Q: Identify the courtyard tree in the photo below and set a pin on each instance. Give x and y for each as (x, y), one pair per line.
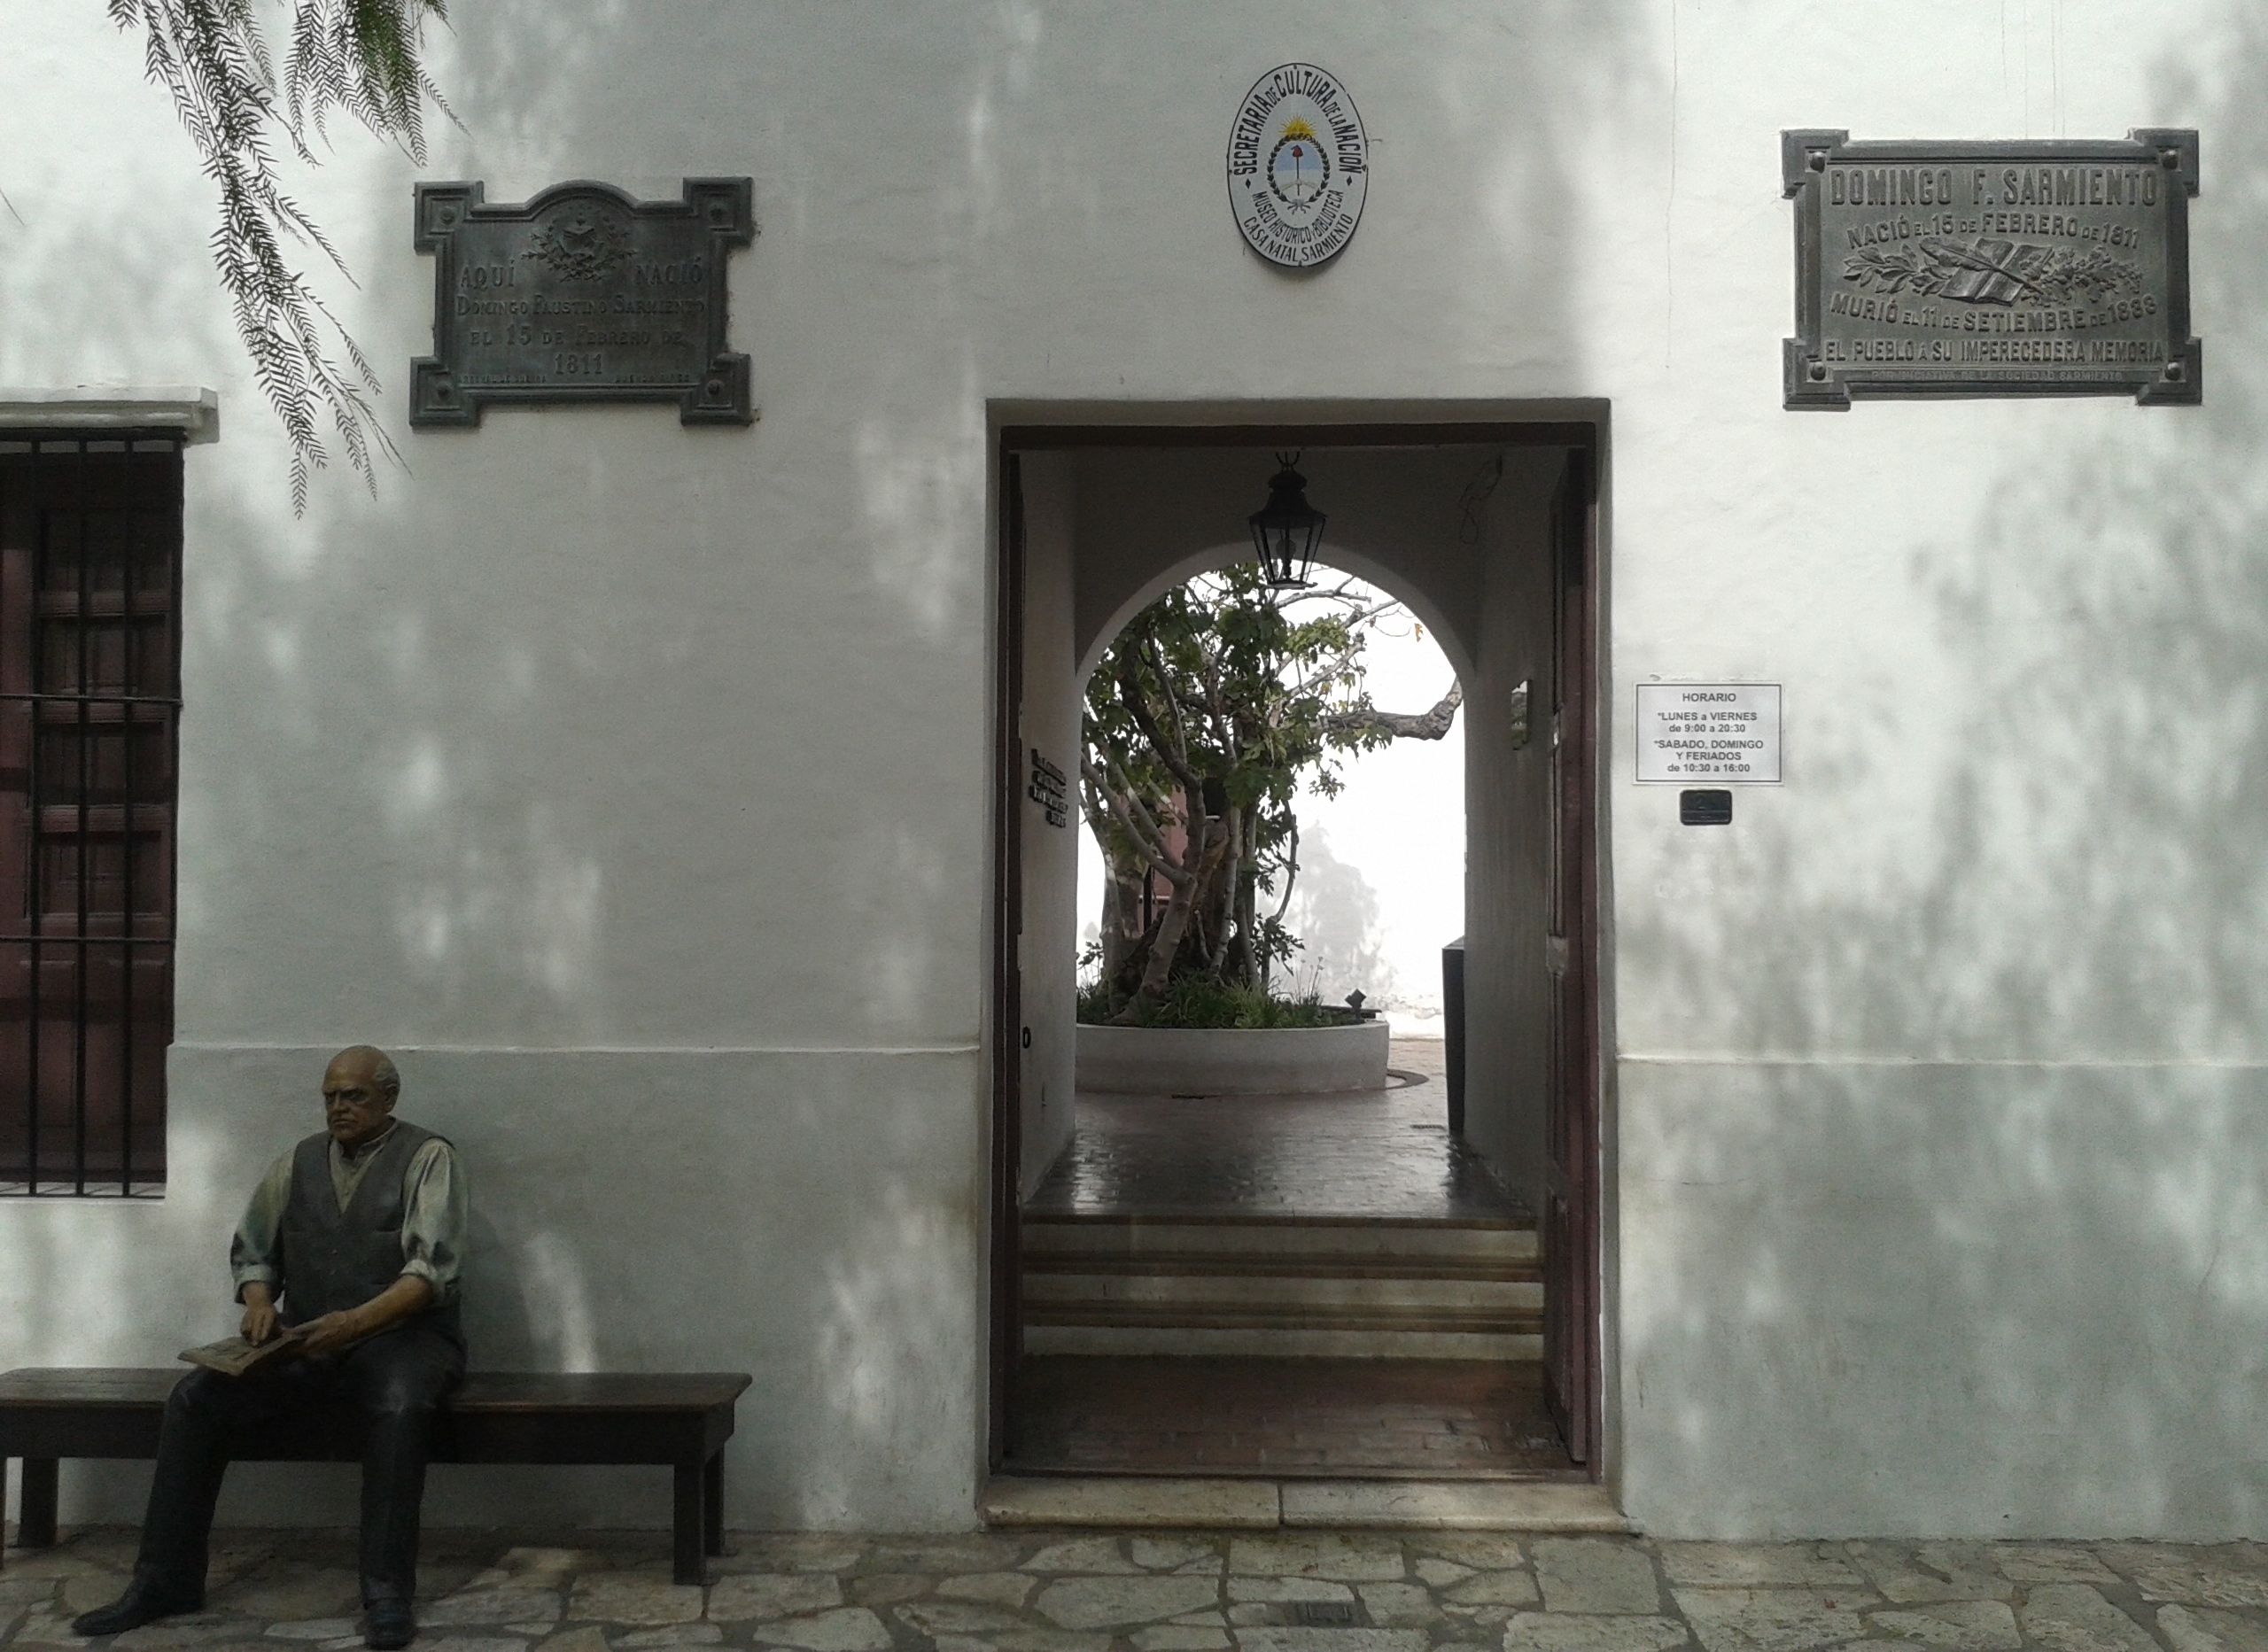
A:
(1212, 708)
(362, 58)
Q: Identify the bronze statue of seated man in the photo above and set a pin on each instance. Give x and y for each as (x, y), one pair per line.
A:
(351, 1249)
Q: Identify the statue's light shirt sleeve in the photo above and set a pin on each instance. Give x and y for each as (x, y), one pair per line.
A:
(436, 1210)
(253, 1257)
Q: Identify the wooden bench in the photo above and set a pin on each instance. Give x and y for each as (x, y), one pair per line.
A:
(680, 1419)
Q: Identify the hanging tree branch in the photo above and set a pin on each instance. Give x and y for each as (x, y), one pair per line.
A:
(1111, 793)
(1433, 725)
(1174, 754)
(359, 56)
(1291, 873)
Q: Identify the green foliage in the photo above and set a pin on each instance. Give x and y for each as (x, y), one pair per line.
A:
(1251, 685)
(1213, 708)
(359, 56)
(1206, 1001)
(362, 56)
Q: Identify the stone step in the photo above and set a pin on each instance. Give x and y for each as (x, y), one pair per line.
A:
(1343, 1288)
(1275, 1266)
(1298, 1341)
(1351, 1239)
(1258, 1312)
(1213, 1290)
(1318, 1504)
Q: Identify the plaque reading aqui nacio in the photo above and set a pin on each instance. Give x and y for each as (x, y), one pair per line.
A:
(582, 294)
(1991, 269)
(1726, 734)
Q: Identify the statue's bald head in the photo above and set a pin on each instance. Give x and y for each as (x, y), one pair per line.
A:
(374, 1065)
(359, 1090)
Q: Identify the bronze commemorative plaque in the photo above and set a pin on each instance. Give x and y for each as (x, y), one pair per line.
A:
(582, 294)
(1991, 269)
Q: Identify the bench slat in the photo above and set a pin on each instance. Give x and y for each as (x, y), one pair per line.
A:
(483, 1391)
(610, 1390)
(679, 1418)
(89, 1385)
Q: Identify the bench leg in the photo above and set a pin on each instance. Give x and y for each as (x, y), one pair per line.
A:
(36, 1529)
(714, 1505)
(685, 1523)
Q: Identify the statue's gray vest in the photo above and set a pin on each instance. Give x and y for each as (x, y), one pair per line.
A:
(335, 1259)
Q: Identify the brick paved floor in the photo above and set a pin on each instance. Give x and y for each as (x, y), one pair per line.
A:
(1158, 1592)
(1378, 1154)
(1434, 1419)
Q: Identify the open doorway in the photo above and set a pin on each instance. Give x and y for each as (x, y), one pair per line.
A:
(1298, 1284)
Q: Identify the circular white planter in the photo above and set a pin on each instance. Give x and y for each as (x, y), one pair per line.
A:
(1206, 1061)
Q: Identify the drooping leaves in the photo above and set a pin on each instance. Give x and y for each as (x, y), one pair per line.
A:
(362, 56)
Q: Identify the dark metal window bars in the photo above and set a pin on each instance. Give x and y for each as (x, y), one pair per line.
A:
(90, 561)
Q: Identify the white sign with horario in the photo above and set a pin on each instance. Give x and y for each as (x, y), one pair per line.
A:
(1709, 734)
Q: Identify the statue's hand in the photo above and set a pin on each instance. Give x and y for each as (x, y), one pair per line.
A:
(259, 1316)
(330, 1332)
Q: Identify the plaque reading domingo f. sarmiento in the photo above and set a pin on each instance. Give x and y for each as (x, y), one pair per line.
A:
(582, 294)
(1991, 269)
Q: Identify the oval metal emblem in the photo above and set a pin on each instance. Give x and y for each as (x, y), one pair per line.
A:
(1299, 166)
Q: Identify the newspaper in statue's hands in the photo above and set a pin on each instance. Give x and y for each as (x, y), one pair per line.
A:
(233, 1356)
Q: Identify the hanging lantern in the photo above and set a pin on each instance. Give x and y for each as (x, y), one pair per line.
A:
(1287, 530)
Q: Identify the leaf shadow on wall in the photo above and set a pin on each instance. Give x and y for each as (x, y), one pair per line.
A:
(1941, 1208)
(437, 774)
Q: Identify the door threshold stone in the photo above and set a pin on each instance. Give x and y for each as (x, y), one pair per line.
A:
(1127, 1500)
(1252, 1504)
(1452, 1505)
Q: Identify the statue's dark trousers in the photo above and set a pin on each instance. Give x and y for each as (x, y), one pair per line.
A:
(392, 1385)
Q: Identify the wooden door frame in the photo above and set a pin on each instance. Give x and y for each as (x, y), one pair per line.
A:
(1031, 427)
(1004, 1039)
(1571, 1217)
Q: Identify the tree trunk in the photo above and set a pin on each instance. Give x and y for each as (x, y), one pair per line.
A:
(1173, 923)
(1220, 895)
(1248, 961)
(1121, 932)
(1433, 725)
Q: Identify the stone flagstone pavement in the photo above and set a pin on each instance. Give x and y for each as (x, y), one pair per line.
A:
(1155, 1592)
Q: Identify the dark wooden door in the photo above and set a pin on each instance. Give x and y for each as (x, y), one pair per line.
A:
(1007, 988)
(1571, 1213)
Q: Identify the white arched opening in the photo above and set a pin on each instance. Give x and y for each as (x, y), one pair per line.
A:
(1381, 885)
(1366, 568)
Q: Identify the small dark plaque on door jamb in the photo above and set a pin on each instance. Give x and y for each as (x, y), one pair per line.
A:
(582, 294)
(2049, 269)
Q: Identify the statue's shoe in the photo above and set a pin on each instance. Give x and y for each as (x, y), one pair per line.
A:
(390, 1624)
(142, 1604)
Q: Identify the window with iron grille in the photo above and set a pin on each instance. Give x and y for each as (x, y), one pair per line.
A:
(90, 540)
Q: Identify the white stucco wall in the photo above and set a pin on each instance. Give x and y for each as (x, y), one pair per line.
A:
(630, 780)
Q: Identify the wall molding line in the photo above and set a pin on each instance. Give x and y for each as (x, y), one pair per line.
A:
(2108, 1063)
(94, 409)
(203, 1046)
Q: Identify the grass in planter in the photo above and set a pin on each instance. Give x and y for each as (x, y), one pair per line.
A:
(1201, 1001)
